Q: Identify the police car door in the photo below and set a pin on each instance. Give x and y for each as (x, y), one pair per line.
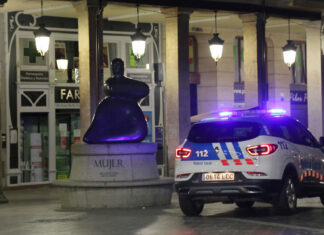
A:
(317, 173)
(309, 151)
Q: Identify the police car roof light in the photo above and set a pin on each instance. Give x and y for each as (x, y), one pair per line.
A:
(225, 114)
(276, 111)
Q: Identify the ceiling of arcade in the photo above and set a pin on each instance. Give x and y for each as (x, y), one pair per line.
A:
(200, 19)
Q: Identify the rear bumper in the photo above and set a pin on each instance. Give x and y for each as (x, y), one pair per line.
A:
(261, 190)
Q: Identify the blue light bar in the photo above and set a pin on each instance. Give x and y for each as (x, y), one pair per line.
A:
(277, 111)
(209, 119)
(225, 114)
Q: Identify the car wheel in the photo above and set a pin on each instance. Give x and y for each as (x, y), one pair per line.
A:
(287, 198)
(190, 207)
(322, 199)
(245, 205)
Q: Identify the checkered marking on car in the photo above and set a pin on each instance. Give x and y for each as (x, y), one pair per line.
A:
(311, 173)
(226, 156)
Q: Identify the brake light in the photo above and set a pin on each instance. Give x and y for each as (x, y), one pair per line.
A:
(182, 153)
(180, 176)
(256, 173)
(262, 149)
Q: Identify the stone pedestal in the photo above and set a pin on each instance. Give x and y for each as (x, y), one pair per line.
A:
(114, 176)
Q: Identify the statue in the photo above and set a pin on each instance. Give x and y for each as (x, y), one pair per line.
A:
(118, 118)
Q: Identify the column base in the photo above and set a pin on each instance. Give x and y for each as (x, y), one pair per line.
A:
(3, 199)
(114, 176)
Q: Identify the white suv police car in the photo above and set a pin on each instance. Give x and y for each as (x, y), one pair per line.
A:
(243, 157)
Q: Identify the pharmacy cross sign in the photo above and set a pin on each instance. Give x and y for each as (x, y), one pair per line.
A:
(31, 52)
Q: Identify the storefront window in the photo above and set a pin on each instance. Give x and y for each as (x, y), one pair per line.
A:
(238, 54)
(110, 52)
(68, 50)
(67, 133)
(34, 151)
(298, 69)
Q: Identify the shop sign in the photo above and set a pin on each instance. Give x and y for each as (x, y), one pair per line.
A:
(298, 97)
(34, 76)
(239, 93)
(67, 95)
(143, 77)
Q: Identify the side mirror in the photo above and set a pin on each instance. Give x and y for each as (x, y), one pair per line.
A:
(321, 140)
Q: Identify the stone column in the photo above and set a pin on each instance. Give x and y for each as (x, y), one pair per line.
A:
(3, 199)
(314, 78)
(177, 93)
(90, 58)
(255, 80)
(278, 73)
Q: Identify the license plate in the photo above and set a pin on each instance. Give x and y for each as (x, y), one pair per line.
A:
(224, 176)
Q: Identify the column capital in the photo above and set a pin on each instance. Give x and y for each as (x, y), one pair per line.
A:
(252, 17)
(248, 18)
(175, 11)
(312, 24)
(80, 7)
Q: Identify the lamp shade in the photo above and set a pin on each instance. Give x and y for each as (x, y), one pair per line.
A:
(216, 47)
(42, 39)
(62, 64)
(289, 53)
(138, 43)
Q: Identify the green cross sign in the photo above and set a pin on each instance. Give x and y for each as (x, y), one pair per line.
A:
(31, 52)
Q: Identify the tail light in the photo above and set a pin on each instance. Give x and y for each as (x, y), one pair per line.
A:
(262, 149)
(183, 175)
(183, 153)
(256, 173)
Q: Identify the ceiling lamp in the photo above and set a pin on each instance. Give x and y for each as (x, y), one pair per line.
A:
(62, 64)
(289, 50)
(138, 41)
(42, 36)
(216, 44)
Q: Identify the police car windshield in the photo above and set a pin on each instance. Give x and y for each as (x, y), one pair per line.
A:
(223, 131)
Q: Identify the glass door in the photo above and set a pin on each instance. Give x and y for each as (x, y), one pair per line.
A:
(67, 133)
(34, 154)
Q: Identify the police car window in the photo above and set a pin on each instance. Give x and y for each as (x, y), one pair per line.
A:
(279, 128)
(301, 135)
(224, 131)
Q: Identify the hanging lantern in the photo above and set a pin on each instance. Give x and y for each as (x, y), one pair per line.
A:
(42, 40)
(216, 44)
(42, 36)
(289, 53)
(62, 64)
(216, 47)
(138, 43)
(289, 50)
(138, 40)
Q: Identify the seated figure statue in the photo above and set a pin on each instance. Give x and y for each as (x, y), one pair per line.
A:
(118, 118)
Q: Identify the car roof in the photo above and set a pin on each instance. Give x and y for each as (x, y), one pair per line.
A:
(263, 119)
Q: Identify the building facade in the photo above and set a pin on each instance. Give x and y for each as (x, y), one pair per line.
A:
(40, 103)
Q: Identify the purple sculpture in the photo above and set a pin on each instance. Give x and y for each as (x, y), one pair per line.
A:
(118, 118)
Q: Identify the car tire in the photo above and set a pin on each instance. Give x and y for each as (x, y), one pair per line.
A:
(322, 199)
(245, 204)
(286, 202)
(190, 207)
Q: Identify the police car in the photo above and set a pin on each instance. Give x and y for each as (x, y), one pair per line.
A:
(248, 156)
